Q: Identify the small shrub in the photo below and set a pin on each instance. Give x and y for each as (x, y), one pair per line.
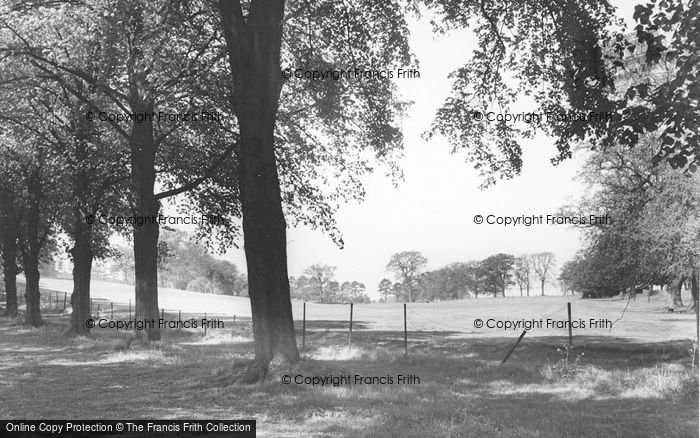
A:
(565, 368)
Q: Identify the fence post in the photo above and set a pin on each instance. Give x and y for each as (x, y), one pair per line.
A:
(303, 330)
(162, 313)
(90, 306)
(233, 327)
(179, 319)
(205, 325)
(350, 334)
(129, 308)
(111, 310)
(65, 298)
(568, 307)
(513, 349)
(405, 332)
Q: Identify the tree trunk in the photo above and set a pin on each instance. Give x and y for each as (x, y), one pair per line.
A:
(9, 268)
(676, 289)
(82, 269)
(32, 296)
(254, 55)
(542, 282)
(146, 208)
(694, 287)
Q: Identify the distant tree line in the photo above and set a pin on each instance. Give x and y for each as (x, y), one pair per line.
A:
(318, 284)
(490, 276)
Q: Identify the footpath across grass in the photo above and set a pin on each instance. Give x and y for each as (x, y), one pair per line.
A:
(451, 387)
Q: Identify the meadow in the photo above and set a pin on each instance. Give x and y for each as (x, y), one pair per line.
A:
(635, 379)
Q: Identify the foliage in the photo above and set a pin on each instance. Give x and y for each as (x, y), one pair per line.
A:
(667, 109)
(497, 273)
(654, 237)
(522, 271)
(183, 264)
(385, 288)
(543, 265)
(319, 285)
(537, 44)
(407, 267)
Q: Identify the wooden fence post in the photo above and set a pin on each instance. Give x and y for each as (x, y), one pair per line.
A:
(303, 330)
(405, 332)
(568, 307)
(350, 334)
(513, 349)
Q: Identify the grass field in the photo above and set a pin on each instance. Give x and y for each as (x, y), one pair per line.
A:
(634, 380)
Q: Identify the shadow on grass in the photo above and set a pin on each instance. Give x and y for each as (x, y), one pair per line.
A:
(617, 388)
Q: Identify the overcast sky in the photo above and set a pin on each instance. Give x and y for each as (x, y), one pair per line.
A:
(432, 210)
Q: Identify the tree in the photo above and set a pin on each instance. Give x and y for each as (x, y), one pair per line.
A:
(124, 260)
(407, 267)
(352, 292)
(8, 248)
(385, 289)
(398, 291)
(543, 264)
(33, 176)
(657, 242)
(322, 276)
(522, 270)
(84, 52)
(272, 130)
(567, 276)
(451, 282)
(497, 273)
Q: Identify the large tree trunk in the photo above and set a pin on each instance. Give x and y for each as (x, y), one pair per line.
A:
(146, 209)
(32, 295)
(254, 55)
(9, 268)
(82, 269)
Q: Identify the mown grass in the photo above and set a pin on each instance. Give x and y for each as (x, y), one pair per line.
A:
(603, 387)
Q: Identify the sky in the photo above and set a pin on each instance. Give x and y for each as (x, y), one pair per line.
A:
(432, 210)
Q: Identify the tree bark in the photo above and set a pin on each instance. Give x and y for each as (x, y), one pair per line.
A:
(676, 289)
(82, 270)
(9, 267)
(32, 295)
(31, 250)
(254, 55)
(694, 287)
(146, 209)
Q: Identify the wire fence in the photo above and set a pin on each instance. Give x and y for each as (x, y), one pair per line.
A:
(404, 325)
